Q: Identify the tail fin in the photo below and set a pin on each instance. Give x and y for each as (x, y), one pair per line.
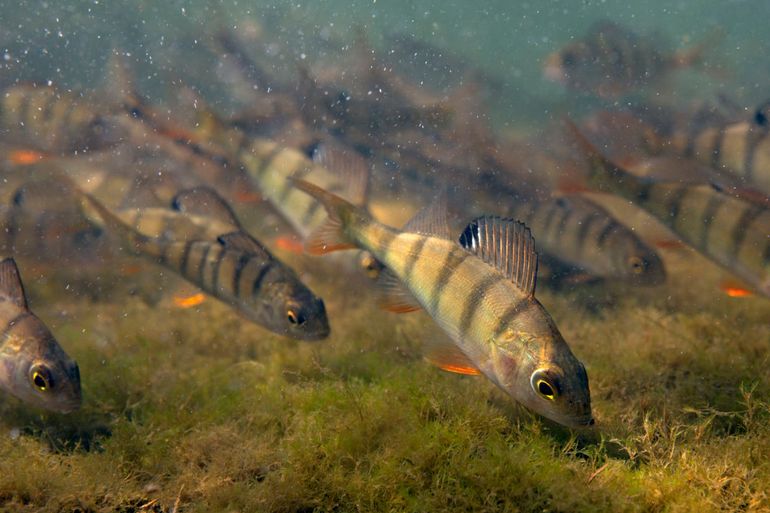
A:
(331, 235)
(101, 216)
(602, 173)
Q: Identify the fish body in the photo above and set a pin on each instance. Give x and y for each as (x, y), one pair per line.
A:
(584, 236)
(55, 121)
(739, 148)
(611, 60)
(730, 231)
(33, 366)
(497, 326)
(236, 269)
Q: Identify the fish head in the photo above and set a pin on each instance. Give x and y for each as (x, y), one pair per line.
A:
(561, 65)
(639, 264)
(548, 379)
(294, 311)
(35, 368)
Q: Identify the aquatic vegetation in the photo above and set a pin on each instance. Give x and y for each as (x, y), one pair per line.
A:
(201, 410)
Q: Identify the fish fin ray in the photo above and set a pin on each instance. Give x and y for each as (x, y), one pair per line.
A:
(393, 296)
(349, 166)
(431, 220)
(10, 283)
(447, 356)
(242, 241)
(330, 235)
(505, 244)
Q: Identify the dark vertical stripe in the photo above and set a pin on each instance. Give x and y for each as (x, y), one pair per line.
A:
(740, 229)
(643, 190)
(563, 222)
(185, 257)
(257, 283)
(451, 262)
(242, 261)
(716, 148)
(201, 271)
(753, 141)
(675, 200)
(584, 230)
(414, 254)
(707, 218)
(766, 255)
(554, 208)
(605, 233)
(474, 300)
(510, 314)
(310, 212)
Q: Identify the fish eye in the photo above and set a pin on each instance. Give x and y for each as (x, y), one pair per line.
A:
(636, 265)
(543, 385)
(568, 58)
(40, 378)
(294, 317)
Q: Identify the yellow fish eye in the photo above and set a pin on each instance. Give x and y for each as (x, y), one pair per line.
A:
(636, 264)
(294, 317)
(41, 379)
(543, 385)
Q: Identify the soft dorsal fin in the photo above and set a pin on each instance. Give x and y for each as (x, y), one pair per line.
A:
(349, 166)
(206, 202)
(431, 220)
(10, 283)
(242, 241)
(444, 354)
(505, 244)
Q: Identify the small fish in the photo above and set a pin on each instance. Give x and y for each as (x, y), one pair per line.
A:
(584, 236)
(55, 121)
(480, 292)
(236, 269)
(611, 60)
(33, 366)
(739, 148)
(730, 231)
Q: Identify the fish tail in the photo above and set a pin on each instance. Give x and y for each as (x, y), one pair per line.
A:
(101, 216)
(333, 235)
(603, 175)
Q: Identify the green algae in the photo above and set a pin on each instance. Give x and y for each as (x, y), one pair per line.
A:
(197, 410)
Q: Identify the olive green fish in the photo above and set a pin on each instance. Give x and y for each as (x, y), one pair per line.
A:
(235, 269)
(480, 293)
(584, 236)
(739, 148)
(730, 231)
(52, 120)
(33, 366)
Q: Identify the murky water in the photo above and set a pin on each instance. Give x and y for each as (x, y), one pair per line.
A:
(153, 222)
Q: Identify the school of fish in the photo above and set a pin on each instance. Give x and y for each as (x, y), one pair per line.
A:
(314, 162)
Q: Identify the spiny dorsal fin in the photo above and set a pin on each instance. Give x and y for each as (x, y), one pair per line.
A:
(205, 202)
(349, 166)
(505, 244)
(10, 283)
(431, 220)
(444, 354)
(242, 241)
(394, 297)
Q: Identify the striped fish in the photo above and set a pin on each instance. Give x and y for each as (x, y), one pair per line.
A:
(33, 366)
(480, 293)
(583, 236)
(730, 231)
(611, 60)
(235, 269)
(739, 148)
(51, 120)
